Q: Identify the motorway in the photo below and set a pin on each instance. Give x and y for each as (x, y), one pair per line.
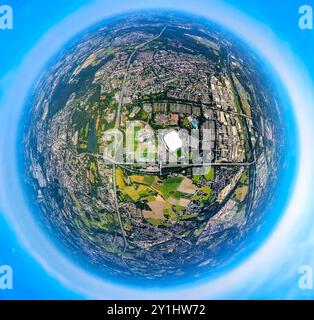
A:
(117, 125)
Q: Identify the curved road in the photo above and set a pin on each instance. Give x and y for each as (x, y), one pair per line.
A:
(117, 125)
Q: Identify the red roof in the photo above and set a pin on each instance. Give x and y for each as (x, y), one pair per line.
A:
(174, 117)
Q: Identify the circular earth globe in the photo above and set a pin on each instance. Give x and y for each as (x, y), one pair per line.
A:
(151, 147)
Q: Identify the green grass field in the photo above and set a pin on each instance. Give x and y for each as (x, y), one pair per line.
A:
(169, 186)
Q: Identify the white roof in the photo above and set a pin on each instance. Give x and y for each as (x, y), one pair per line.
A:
(173, 141)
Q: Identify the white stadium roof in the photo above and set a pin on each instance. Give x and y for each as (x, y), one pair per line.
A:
(173, 141)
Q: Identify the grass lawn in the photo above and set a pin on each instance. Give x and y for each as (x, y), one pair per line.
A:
(241, 193)
(169, 186)
(210, 175)
(131, 192)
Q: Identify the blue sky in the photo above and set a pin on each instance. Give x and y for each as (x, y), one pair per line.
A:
(35, 26)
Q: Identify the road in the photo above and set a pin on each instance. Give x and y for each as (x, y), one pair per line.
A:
(117, 125)
(252, 174)
(142, 45)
